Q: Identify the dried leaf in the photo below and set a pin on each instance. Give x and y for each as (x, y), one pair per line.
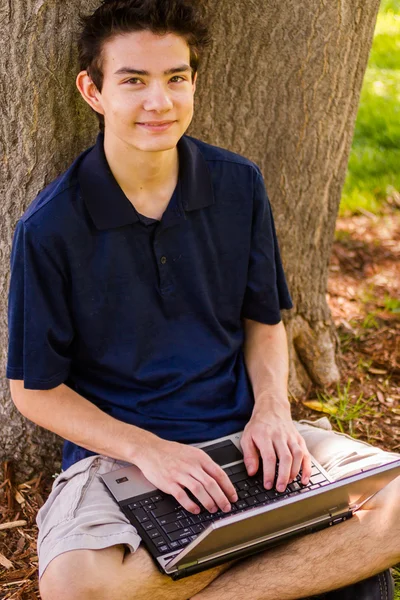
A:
(380, 396)
(39, 500)
(20, 545)
(5, 562)
(321, 406)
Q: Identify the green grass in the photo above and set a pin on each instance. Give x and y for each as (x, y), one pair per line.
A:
(370, 322)
(373, 175)
(392, 304)
(346, 410)
(396, 575)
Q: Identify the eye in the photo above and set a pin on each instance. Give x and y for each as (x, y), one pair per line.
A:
(133, 80)
(176, 77)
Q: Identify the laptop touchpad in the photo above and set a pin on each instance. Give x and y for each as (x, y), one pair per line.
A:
(223, 453)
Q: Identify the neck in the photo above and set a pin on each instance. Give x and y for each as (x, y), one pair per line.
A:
(139, 173)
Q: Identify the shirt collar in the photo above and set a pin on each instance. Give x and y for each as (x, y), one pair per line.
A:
(110, 208)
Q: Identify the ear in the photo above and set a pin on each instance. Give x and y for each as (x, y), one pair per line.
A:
(89, 91)
(194, 82)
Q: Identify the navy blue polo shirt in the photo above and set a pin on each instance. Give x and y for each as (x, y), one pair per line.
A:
(144, 317)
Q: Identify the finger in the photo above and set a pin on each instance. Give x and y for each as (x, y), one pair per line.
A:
(297, 456)
(199, 492)
(181, 496)
(222, 479)
(285, 465)
(306, 468)
(269, 464)
(214, 491)
(250, 454)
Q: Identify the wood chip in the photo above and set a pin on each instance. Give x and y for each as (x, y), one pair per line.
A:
(367, 213)
(5, 562)
(19, 498)
(12, 524)
(377, 371)
(23, 486)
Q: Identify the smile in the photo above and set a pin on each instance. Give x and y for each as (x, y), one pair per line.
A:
(156, 126)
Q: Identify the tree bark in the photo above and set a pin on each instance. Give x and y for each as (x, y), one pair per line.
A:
(279, 84)
(44, 125)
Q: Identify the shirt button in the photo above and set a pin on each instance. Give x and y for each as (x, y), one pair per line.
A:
(163, 260)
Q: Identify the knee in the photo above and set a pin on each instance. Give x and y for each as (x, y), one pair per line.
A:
(391, 494)
(68, 587)
(71, 589)
(383, 512)
(386, 500)
(69, 577)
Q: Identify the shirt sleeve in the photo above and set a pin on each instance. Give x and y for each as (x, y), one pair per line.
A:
(267, 291)
(39, 321)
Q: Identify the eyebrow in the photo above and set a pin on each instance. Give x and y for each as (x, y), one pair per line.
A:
(131, 71)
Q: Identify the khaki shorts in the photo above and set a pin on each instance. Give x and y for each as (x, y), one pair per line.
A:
(80, 512)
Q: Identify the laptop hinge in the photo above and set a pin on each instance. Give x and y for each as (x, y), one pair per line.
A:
(336, 512)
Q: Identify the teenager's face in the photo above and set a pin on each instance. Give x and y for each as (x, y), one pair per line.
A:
(147, 93)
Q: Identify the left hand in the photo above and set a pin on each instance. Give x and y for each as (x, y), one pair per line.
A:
(272, 435)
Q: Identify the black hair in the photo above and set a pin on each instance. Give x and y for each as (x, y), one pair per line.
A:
(186, 18)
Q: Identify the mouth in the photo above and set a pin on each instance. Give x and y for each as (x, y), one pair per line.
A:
(156, 125)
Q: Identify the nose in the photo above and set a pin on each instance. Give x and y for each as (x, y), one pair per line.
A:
(157, 98)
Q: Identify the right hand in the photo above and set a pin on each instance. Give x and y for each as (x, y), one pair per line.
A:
(171, 467)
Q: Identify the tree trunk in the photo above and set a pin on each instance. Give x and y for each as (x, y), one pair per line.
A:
(280, 84)
(44, 125)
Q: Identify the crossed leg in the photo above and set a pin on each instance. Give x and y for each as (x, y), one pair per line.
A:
(105, 575)
(329, 559)
(357, 549)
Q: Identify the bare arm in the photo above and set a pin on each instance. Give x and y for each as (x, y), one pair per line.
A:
(74, 418)
(271, 433)
(267, 363)
(168, 465)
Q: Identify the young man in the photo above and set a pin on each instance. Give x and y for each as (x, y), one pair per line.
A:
(144, 315)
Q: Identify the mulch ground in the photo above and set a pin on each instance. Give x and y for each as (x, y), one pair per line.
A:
(364, 295)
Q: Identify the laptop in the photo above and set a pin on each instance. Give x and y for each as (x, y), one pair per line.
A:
(182, 543)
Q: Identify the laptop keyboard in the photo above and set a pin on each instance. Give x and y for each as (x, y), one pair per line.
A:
(169, 526)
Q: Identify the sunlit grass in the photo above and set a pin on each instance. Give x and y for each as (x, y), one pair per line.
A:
(373, 172)
(373, 176)
(396, 575)
(344, 408)
(392, 304)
